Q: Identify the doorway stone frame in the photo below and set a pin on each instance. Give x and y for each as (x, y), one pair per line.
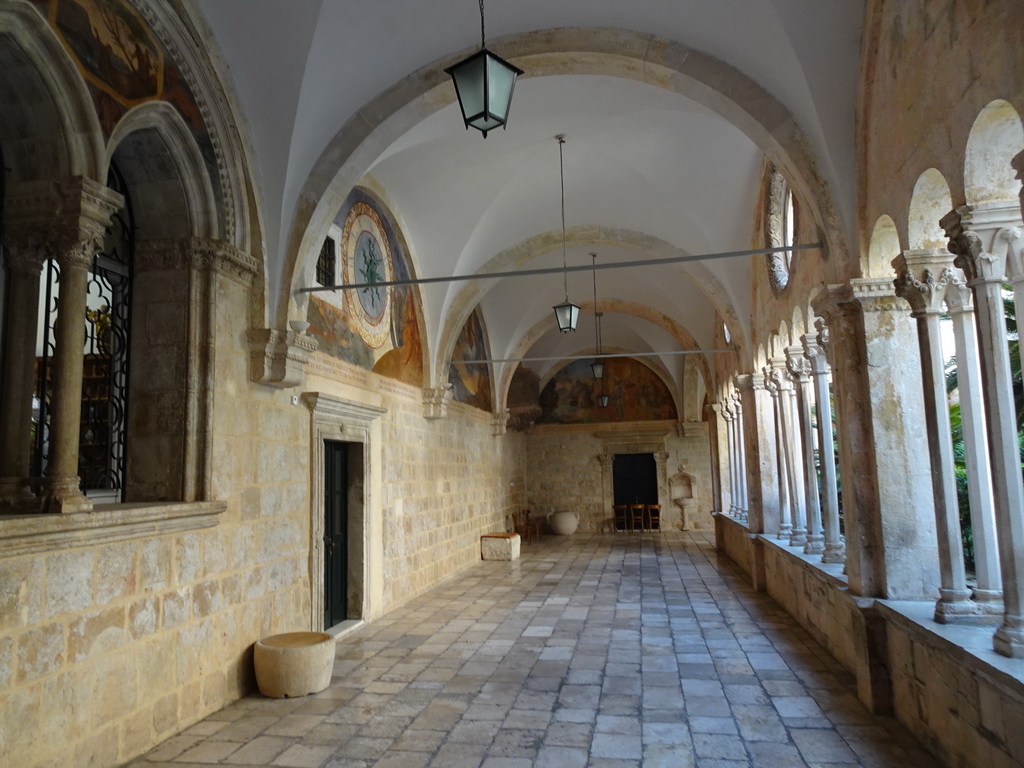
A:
(334, 418)
(636, 438)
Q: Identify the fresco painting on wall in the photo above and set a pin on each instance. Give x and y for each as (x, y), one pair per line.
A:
(375, 329)
(635, 393)
(471, 384)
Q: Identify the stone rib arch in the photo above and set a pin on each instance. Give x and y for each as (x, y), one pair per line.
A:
(996, 136)
(620, 53)
(69, 141)
(883, 247)
(472, 293)
(503, 381)
(929, 202)
(163, 164)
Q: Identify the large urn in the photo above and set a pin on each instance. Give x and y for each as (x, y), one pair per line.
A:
(563, 522)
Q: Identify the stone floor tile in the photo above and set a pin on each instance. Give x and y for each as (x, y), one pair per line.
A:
(598, 650)
(303, 756)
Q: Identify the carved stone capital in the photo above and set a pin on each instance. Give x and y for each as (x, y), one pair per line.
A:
(278, 358)
(26, 247)
(83, 212)
(923, 277)
(435, 401)
(605, 460)
(797, 364)
(987, 241)
(778, 371)
(661, 459)
(814, 351)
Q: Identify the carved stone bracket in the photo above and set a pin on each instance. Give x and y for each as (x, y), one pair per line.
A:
(435, 402)
(923, 277)
(278, 358)
(499, 423)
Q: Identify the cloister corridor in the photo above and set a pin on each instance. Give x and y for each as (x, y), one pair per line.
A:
(604, 650)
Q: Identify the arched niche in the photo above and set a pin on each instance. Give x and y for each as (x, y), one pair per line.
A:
(883, 247)
(930, 201)
(996, 137)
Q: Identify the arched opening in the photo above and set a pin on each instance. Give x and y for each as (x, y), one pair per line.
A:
(996, 137)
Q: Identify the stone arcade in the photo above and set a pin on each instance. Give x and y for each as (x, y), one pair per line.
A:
(203, 442)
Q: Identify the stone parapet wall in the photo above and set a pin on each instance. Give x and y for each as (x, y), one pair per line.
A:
(945, 683)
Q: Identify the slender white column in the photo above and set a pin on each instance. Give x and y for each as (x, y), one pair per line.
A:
(800, 370)
(794, 469)
(989, 587)
(731, 443)
(742, 457)
(719, 456)
(980, 238)
(814, 348)
(922, 278)
(782, 453)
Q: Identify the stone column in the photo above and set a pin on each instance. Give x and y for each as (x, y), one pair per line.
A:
(891, 550)
(989, 590)
(762, 481)
(730, 443)
(25, 251)
(981, 237)
(79, 228)
(791, 442)
(785, 529)
(741, 458)
(814, 349)
(922, 278)
(719, 456)
(800, 370)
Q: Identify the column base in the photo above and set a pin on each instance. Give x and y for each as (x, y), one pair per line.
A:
(784, 531)
(988, 597)
(957, 608)
(62, 495)
(1009, 638)
(15, 492)
(835, 553)
(798, 538)
(815, 545)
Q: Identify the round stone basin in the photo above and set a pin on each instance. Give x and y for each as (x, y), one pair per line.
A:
(294, 663)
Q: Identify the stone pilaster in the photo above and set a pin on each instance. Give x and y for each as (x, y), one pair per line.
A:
(800, 371)
(84, 210)
(25, 251)
(982, 238)
(730, 447)
(719, 458)
(922, 279)
(814, 349)
(890, 539)
(989, 588)
(499, 423)
(785, 526)
(791, 440)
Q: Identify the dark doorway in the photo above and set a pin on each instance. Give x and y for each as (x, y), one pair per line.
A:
(336, 494)
(635, 478)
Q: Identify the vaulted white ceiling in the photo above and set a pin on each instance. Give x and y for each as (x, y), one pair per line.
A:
(648, 172)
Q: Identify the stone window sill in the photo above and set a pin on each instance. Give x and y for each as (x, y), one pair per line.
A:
(107, 523)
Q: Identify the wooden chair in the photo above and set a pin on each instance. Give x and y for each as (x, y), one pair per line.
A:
(521, 524)
(620, 514)
(654, 517)
(636, 517)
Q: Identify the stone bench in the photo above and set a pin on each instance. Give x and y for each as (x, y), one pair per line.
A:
(499, 546)
(294, 663)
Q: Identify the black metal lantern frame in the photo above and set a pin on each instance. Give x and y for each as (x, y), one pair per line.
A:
(484, 83)
(566, 313)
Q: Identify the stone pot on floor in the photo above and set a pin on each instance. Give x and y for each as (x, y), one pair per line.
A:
(294, 663)
(563, 523)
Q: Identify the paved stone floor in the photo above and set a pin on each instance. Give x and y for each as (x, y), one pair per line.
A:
(612, 650)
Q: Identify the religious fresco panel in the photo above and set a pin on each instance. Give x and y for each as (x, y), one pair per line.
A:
(635, 393)
(471, 384)
(374, 327)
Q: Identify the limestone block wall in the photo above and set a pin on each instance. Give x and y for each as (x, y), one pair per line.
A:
(564, 471)
(445, 482)
(121, 627)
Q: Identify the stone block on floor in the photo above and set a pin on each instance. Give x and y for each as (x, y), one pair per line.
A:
(499, 546)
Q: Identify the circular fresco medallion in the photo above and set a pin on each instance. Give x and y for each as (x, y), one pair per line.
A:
(366, 255)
